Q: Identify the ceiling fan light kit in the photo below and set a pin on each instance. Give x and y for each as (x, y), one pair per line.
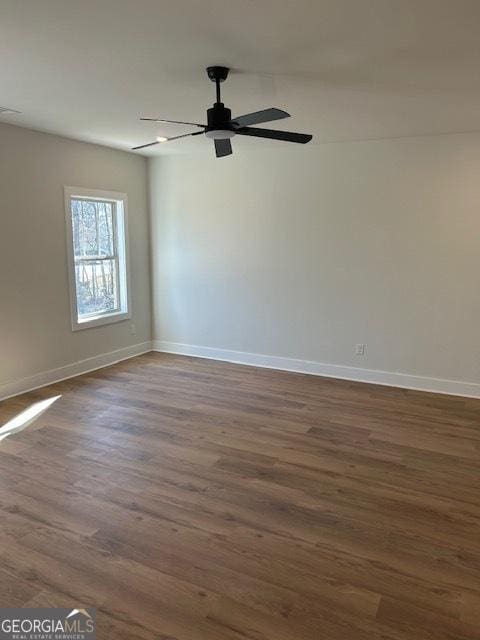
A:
(221, 127)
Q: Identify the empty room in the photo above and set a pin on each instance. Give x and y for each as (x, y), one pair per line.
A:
(239, 320)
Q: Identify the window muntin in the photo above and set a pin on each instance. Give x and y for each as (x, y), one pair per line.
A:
(98, 257)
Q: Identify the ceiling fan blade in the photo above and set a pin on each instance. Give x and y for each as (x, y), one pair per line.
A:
(223, 148)
(150, 144)
(184, 135)
(142, 146)
(192, 124)
(267, 115)
(287, 136)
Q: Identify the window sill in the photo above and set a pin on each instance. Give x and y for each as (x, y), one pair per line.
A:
(97, 321)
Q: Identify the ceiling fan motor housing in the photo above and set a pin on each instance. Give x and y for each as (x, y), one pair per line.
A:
(219, 126)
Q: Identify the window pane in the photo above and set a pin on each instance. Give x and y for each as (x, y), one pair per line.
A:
(105, 227)
(96, 282)
(93, 233)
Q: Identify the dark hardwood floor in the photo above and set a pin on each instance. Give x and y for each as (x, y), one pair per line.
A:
(189, 499)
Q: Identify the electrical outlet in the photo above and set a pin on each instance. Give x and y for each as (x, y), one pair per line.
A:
(133, 329)
(360, 349)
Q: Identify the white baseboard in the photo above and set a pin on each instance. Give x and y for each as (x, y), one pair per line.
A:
(387, 378)
(44, 378)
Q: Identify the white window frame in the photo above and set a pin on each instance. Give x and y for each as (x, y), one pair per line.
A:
(121, 227)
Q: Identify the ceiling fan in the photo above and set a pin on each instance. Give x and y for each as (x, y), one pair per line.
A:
(221, 126)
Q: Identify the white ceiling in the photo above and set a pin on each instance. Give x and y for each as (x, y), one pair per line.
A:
(344, 69)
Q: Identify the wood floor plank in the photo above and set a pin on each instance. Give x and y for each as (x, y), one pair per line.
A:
(190, 499)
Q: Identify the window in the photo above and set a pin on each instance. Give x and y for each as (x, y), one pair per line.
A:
(97, 253)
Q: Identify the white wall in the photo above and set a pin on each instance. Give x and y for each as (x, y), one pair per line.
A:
(35, 326)
(305, 251)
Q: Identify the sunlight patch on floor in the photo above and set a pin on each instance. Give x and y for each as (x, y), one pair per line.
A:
(26, 417)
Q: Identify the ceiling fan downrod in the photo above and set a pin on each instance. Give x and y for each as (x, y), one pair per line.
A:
(218, 75)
